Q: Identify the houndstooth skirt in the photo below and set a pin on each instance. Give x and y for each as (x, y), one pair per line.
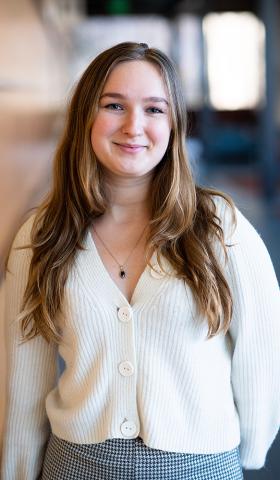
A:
(131, 459)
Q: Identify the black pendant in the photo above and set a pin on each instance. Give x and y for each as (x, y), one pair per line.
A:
(122, 273)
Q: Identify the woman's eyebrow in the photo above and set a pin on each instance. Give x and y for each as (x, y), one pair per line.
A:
(123, 97)
(156, 99)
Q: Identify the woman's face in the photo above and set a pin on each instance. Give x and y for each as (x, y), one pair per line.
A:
(131, 130)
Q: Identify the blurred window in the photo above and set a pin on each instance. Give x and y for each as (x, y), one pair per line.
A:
(235, 60)
(190, 58)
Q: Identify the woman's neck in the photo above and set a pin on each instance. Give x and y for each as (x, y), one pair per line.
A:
(129, 199)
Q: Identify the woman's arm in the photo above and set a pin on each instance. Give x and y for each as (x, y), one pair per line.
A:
(31, 374)
(255, 334)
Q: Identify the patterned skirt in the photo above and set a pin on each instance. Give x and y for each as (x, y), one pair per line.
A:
(131, 459)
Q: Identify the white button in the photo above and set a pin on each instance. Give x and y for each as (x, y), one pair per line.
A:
(128, 428)
(124, 314)
(157, 272)
(126, 368)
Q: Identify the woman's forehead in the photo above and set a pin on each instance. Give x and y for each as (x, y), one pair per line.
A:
(138, 76)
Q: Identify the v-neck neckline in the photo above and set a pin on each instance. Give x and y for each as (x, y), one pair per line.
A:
(110, 280)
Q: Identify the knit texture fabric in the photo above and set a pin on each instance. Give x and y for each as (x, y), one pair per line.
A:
(146, 368)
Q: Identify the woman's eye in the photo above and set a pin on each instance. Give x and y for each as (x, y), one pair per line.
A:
(154, 110)
(113, 106)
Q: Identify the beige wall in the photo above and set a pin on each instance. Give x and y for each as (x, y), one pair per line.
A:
(31, 85)
(29, 102)
(2, 363)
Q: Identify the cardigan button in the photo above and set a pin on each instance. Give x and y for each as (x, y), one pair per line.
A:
(126, 368)
(157, 272)
(128, 428)
(124, 314)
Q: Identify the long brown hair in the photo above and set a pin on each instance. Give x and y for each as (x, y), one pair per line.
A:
(183, 216)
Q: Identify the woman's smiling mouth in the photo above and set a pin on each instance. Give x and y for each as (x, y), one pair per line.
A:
(130, 148)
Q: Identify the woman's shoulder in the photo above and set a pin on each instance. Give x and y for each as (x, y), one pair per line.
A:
(238, 230)
(23, 234)
(20, 247)
(226, 212)
(224, 204)
(233, 221)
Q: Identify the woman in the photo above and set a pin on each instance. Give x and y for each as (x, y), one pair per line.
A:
(165, 315)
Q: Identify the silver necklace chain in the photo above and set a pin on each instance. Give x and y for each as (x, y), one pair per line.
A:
(122, 272)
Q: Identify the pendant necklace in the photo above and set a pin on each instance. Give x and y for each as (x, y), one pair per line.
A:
(122, 269)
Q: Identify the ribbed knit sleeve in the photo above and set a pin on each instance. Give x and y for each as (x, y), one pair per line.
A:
(31, 374)
(255, 334)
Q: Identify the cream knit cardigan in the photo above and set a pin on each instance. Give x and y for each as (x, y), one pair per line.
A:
(146, 368)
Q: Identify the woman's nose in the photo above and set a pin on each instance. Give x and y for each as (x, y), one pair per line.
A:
(133, 124)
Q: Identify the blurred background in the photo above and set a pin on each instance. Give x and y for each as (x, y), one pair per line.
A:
(227, 55)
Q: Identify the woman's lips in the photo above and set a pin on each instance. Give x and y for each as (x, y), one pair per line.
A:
(128, 148)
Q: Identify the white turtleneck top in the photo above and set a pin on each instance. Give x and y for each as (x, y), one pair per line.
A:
(146, 368)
